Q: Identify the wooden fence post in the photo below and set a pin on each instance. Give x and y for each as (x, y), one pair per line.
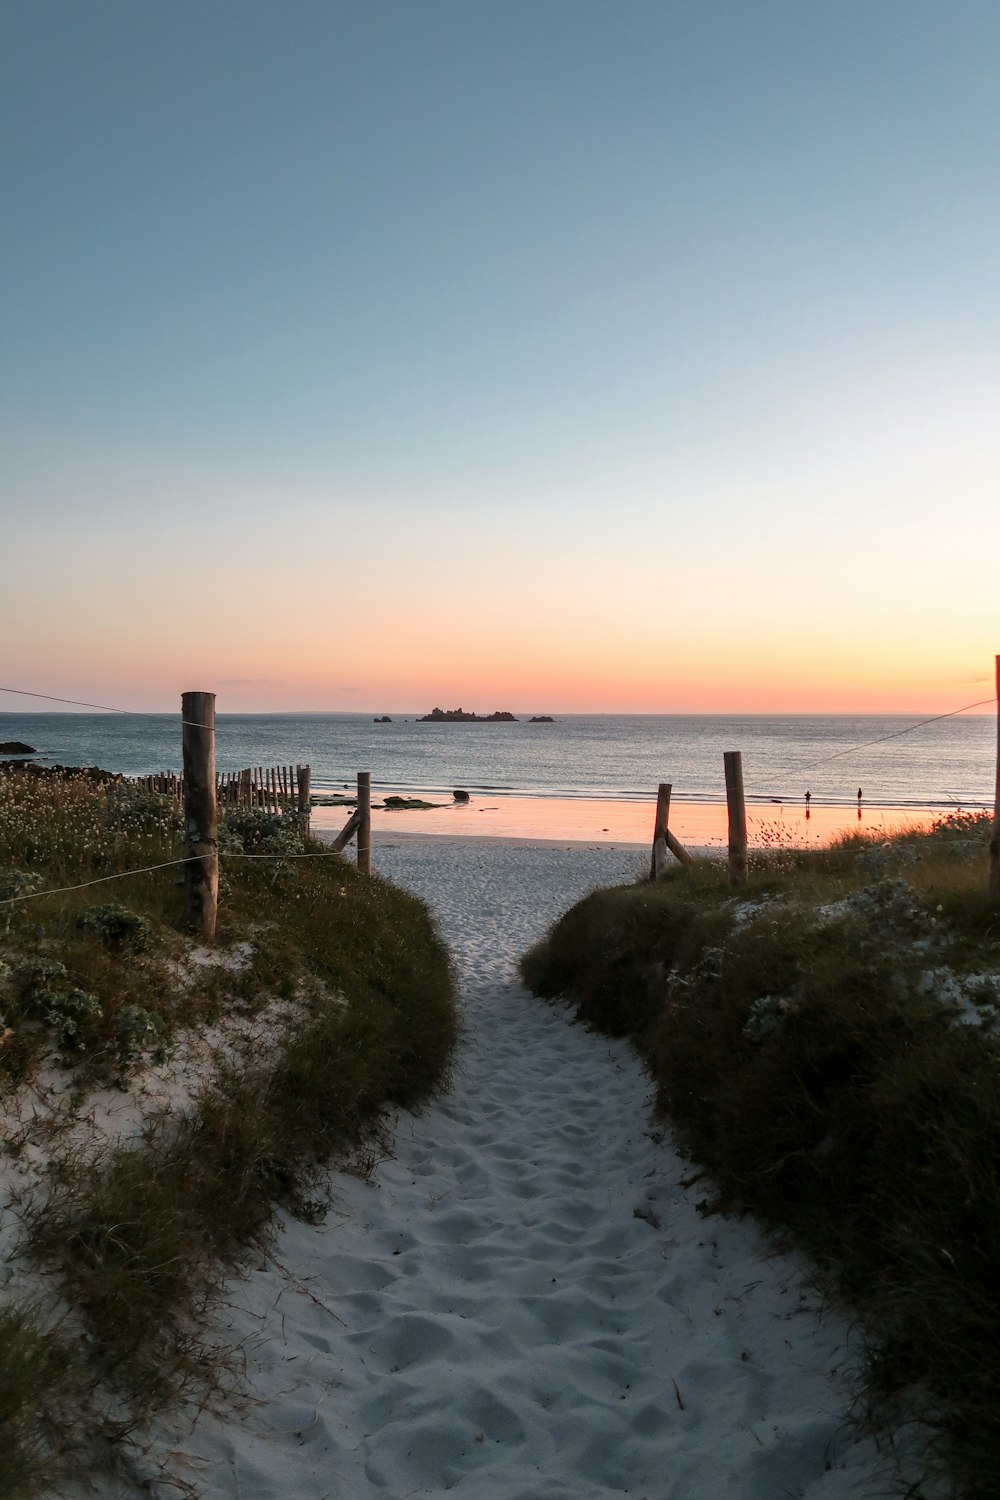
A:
(995, 830)
(201, 810)
(304, 776)
(348, 831)
(658, 861)
(365, 822)
(678, 850)
(733, 762)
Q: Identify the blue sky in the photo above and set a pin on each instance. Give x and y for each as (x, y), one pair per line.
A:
(639, 328)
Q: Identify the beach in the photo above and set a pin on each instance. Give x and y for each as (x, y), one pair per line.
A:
(500, 751)
(526, 1295)
(620, 822)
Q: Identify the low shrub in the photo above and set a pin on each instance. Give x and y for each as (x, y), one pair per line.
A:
(256, 830)
(117, 927)
(48, 997)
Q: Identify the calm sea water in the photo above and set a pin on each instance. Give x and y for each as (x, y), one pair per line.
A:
(947, 763)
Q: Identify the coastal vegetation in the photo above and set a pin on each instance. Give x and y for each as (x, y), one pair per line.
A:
(826, 1044)
(235, 1073)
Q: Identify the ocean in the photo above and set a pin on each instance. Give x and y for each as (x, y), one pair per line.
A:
(608, 757)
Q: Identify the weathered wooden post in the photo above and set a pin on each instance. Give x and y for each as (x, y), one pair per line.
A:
(733, 762)
(658, 861)
(201, 810)
(345, 835)
(303, 776)
(365, 822)
(678, 850)
(995, 830)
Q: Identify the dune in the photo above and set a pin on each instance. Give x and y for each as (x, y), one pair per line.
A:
(528, 1297)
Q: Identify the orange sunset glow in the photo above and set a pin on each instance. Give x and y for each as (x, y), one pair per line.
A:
(589, 413)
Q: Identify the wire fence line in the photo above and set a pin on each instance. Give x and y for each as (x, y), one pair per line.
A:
(62, 890)
(936, 719)
(810, 766)
(188, 859)
(227, 854)
(135, 713)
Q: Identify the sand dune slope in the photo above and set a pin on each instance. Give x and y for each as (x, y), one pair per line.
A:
(523, 1302)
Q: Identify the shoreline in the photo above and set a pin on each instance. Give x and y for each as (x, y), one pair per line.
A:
(600, 821)
(384, 838)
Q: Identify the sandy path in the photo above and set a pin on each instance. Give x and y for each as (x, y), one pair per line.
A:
(523, 1303)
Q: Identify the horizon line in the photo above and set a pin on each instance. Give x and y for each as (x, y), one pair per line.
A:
(521, 716)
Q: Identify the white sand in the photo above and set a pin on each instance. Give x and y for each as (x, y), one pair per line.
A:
(524, 1303)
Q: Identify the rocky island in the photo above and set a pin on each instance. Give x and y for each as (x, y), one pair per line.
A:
(459, 716)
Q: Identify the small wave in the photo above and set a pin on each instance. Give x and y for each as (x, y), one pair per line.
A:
(757, 802)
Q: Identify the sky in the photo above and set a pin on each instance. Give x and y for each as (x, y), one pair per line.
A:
(551, 355)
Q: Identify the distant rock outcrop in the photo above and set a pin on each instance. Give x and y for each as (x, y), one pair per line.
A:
(408, 804)
(385, 719)
(541, 719)
(87, 773)
(459, 716)
(16, 747)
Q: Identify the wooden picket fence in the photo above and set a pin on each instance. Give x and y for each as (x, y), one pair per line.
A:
(277, 789)
(168, 783)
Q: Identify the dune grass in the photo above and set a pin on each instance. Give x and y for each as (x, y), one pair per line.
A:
(355, 996)
(36, 1374)
(826, 1044)
(86, 971)
(139, 1237)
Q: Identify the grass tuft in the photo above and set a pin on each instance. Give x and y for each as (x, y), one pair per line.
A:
(36, 1368)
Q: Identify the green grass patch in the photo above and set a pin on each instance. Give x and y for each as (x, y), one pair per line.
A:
(816, 1043)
